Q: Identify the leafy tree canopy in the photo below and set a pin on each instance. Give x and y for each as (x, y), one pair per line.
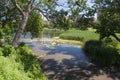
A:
(35, 24)
(15, 14)
(79, 12)
(109, 19)
(60, 20)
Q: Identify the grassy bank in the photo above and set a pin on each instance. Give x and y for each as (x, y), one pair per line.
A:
(105, 52)
(80, 35)
(19, 64)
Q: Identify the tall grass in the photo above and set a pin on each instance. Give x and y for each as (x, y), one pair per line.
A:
(80, 35)
(107, 54)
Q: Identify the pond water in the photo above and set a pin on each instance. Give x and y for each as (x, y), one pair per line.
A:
(59, 59)
(70, 54)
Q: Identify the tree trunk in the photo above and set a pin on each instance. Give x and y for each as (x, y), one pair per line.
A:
(25, 14)
(20, 30)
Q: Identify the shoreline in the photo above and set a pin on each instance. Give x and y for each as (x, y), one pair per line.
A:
(54, 40)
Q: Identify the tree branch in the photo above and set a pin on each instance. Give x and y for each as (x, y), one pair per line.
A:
(30, 5)
(18, 7)
(42, 13)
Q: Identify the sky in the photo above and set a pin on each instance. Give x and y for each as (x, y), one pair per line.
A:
(64, 5)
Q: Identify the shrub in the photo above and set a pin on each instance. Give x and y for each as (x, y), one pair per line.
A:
(19, 64)
(1, 53)
(7, 50)
(11, 70)
(104, 53)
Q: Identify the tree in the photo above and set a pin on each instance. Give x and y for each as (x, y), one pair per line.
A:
(14, 13)
(35, 24)
(24, 14)
(8, 13)
(60, 20)
(79, 11)
(25, 7)
(110, 19)
(9, 19)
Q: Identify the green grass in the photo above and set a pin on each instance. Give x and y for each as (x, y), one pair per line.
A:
(105, 52)
(19, 64)
(80, 35)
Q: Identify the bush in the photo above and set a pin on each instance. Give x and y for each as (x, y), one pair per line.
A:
(1, 53)
(7, 50)
(104, 53)
(19, 64)
(11, 70)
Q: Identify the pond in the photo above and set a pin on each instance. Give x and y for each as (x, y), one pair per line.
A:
(58, 51)
(65, 61)
(58, 58)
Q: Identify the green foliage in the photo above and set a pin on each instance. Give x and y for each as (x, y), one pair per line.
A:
(31, 66)
(109, 19)
(15, 16)
(35, 24)
(79, 35)
(106, 54)
(95, 24)
(8, 13)
(8, 50)
(6, 34)
(80, 12)
(60, 21)
(1, 53)
(1, 34)
(19, 64)
(23, 3)
(76, 7)
(11, 70)
(1, 37)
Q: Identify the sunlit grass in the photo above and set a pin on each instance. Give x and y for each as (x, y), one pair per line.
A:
(80, 35)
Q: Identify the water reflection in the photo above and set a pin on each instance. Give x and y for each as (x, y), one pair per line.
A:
(60, 52)
(47, 48)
